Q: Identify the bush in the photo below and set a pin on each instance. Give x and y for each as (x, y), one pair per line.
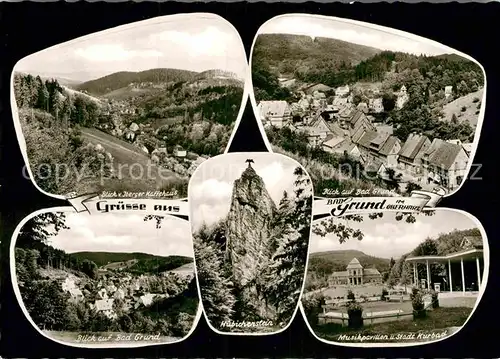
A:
(313, 307)
(385, 293)
(355, 313)
(463, 109)
(351, 296)
(417, 302)
(435, 299)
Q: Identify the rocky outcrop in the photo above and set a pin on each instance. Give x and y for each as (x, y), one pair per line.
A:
(248, 234)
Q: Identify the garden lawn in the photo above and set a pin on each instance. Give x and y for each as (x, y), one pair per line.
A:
(439, 318)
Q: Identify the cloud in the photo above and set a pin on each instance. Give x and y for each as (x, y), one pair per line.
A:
(197, 42)
(112, 53)
(278, 178)
(380, 39)
(211, 191)
(211, 41)
(386, 237)
(124, 233)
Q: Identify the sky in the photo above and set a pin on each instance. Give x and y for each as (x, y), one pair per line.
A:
(124, 233)
(385, 237)
(211, 186)
(195, 42)
(331, 28)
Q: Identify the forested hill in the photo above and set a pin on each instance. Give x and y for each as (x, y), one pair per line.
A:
(325, 263)
(121, 79)
(290, 53)
(337, 63)
(135, 259)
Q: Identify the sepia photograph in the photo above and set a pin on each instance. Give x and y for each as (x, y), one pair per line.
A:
(394, 277)
(112, 280)
(251, 221)
(135, 108)
(366, 107)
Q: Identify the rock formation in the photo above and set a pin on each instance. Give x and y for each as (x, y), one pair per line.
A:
(248, 235)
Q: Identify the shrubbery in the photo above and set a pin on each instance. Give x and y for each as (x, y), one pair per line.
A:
(417, 302)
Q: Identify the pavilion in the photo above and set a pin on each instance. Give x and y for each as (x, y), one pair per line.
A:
(472, 251)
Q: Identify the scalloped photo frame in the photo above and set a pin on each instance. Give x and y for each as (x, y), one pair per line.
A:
(105, 281)
(394, 280)
(131, 110)
(251, 219)
(366, 109)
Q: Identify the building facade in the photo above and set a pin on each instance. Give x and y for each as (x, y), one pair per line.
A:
(356, 274)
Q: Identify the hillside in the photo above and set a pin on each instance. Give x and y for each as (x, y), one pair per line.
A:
(327, 262)
(122, 79)
(286, 53)
(131, 260)
(451, 57)
(73, 92)
(465, 108)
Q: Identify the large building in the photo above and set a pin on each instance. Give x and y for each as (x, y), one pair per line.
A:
(355, 274)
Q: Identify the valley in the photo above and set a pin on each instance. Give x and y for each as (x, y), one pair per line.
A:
(127, 131)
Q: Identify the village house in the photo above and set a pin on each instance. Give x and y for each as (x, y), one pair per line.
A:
(318, 95)
(274, 113)
(380, 146)
(363, 107)
(144, 300)
(445, 163)
(448, 92)
(119, 294)
(314, 135)
(342, 146)
(357, 125)
(102, 293)
(69, 286)
(376, 105)
(376, 167)
(382, 128)
(342, 91)
(303, 104)
(129, 135)
(311, 89)
(179, 152)
(411, 153)
(105, 306)
(402, 98)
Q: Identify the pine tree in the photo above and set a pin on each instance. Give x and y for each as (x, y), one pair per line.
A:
(218, 299)
(286, 272)
(43, 98)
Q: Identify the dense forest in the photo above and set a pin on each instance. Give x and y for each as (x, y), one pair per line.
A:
(103, 258)
(52, 309)
(280, 284)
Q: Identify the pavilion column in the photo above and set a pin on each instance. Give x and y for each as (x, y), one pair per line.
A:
(478, 267)
(449, 274)
(463, 274)
(415, 274)
(428, 270)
